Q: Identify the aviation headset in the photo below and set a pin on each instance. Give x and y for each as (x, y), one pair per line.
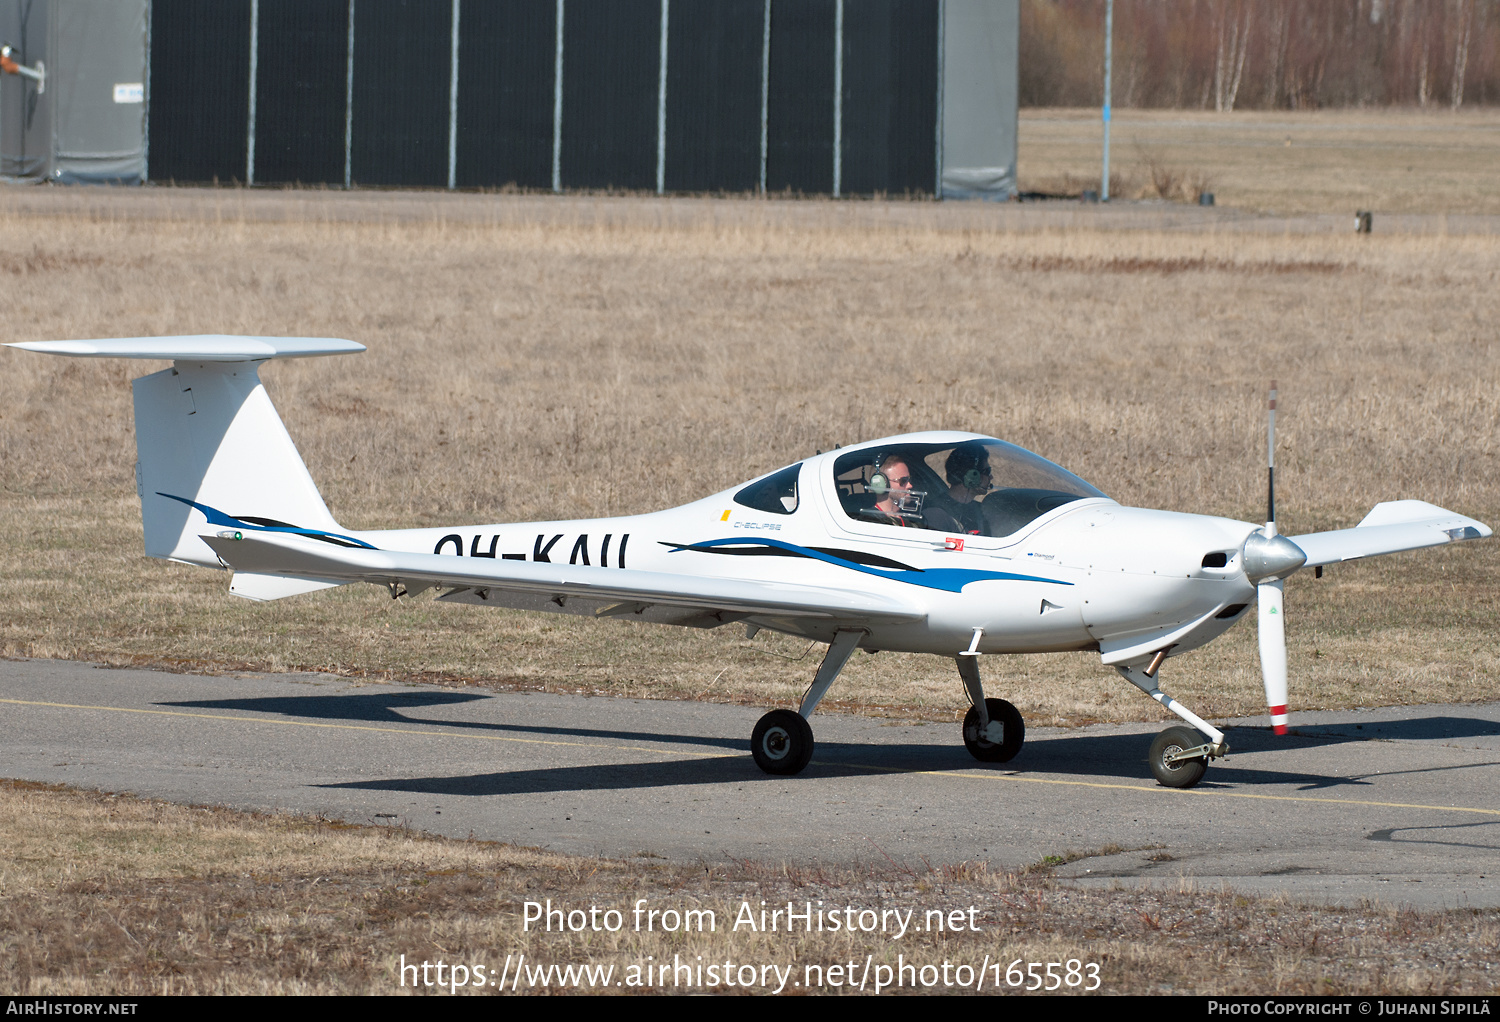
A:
(880, 483)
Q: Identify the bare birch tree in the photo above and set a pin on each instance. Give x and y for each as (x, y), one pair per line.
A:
(1465, 12)
(1229, 61)
(1279, 37)
(1242, 36)
(1423, 84)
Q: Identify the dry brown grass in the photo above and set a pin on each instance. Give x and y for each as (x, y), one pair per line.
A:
(536, 357)
(1390, 161)
(105, 894)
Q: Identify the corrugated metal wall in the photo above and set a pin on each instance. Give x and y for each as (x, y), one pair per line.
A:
(805, 96)
(199, 90)
(800, 114)
(611, 84)
(300, 86)
(715, 49)
(507, 51)
(889, 108)
(402, 76)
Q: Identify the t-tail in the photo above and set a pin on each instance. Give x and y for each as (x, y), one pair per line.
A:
(211, 451)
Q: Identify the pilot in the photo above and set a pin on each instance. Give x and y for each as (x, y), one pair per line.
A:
(898, 503)
(968, 472)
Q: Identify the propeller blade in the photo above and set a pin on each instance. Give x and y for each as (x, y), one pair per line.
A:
(1271, 464)
(1268, 558)
(1271, 629)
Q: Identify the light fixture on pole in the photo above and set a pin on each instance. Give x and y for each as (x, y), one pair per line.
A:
(9, 65)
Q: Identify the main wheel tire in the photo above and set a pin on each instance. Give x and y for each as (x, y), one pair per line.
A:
(782, 742)
(1013, 732)
(1185, 772)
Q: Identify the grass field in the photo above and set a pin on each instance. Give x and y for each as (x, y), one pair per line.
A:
(536, 357)
(1330, 161)
(101, 894)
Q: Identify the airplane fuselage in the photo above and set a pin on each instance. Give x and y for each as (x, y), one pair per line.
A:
(1088, 575)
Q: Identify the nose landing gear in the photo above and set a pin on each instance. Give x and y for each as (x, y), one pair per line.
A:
(1179, 756)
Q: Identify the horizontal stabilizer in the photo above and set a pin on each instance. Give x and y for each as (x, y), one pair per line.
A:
(1390, 528)
(197, 347)
(284, 554)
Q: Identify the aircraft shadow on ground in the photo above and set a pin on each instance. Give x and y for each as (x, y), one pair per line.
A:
(1430, 728)
(1109, 758)
(1415, 729)
(384, 707)
(1442, 834)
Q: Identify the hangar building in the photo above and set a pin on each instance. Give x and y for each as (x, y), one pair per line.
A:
(833, 97)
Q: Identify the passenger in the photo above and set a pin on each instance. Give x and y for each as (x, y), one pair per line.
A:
(968, 472)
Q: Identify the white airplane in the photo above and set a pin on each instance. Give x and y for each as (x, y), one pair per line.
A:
(949, 543)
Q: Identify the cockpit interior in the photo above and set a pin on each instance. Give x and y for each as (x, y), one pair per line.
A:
(978, 487)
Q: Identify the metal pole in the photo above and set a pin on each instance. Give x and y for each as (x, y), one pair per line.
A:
(146, 114)
(765, 94)
(52, 30)
(661, 104)
(1109, 38)
(838, 97)
(557, 97)
(349, 103)
(254, 69)
(453, 105)
(942, 41)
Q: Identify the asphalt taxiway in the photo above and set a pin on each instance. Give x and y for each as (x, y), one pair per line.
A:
(1400, 805)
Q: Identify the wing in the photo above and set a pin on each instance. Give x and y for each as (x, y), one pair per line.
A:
(603, 592)
(1390, 527)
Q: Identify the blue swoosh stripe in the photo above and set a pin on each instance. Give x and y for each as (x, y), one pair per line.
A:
(217, 517)
(950, 580)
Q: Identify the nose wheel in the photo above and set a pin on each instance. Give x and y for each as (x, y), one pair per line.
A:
(782, 742)
(1000, 739)
(1179, 757)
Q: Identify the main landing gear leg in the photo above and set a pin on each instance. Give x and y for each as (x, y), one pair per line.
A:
(782, 742)
(993, 729)
(1179, 756)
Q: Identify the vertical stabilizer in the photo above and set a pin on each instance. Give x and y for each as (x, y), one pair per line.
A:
(211, 447)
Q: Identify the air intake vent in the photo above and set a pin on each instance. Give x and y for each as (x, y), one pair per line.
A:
(1215, 560)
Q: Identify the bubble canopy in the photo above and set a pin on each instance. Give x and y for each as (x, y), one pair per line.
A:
(979, 486)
